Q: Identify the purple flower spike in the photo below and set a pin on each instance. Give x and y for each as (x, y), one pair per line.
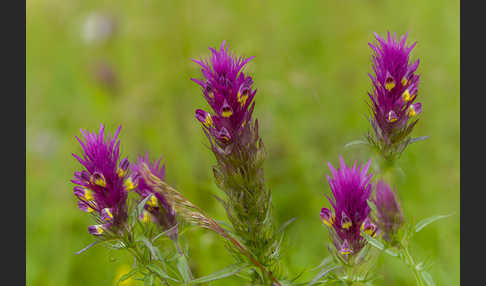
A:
(389, 216)
(395, 89)
(229, 93)
(157, 208)
(100, 187)
(351, 189)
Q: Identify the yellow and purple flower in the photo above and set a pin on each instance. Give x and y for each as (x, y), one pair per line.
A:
(157, 209)
(229, 93)
(351, 189)
(100, 187)
(395, 90)
(389, 215)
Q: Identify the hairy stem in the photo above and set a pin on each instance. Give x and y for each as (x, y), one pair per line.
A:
(411, 263)
(243, 250)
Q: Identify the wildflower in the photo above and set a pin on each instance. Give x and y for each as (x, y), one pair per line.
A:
(239, 152)
(351, 189)
(157, 207)
(229, 93)
(99, 188)
(395, 89)
(389, 216)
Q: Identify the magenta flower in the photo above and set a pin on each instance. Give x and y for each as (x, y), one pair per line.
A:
(157, 209)
(229, 93)
(389, 216)
(102, 187)
(351, 189)
(395, 89)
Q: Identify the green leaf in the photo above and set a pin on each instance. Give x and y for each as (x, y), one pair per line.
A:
(391, 252)
(323, 263)
(149, 280)
(427, 278)
(416, 139)
(87, 247)
(164, 232)
(285, 225)
(355, 142)
(423, 223)
(161, 273)
(372, 206)
(321, 274)
(184, 269)
(153, 250)
(376, 243)
(140, 206)
(223, 273)
(127, 275)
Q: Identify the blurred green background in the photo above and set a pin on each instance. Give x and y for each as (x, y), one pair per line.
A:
(129, 63)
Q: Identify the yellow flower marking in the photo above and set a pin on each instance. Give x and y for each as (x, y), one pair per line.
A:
(406, 96)
(345, 221)
(88, 194)
(347, 224)
(345, 251)
(152, 202)
(329, 222)
(391, 118)
(99, 229)
(108, 212)
(404, 81)
(242, 98)
(146, 217)
(389, 85)
(208, 122)
(227, 112)
(120, 172)
(129, 185)
(411, 111)
(100, 181)
(369, 231)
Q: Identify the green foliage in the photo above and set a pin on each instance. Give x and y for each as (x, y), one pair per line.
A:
(425, 222)
(310, 68)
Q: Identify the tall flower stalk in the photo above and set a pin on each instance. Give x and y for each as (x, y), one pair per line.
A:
(394, 110)
(239, 152)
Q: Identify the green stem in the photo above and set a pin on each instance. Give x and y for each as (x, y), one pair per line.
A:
(411, 263)
(140, 260)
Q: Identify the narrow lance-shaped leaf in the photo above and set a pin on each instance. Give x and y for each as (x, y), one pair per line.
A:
(223, 273)
(149, 280)
(127, 275)
(425, 222)
(153, 250)
(373, 241)
(140, 206)
(184, 269)
(427, 278)
(321, 274)
(161, 273)
(355, 142)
